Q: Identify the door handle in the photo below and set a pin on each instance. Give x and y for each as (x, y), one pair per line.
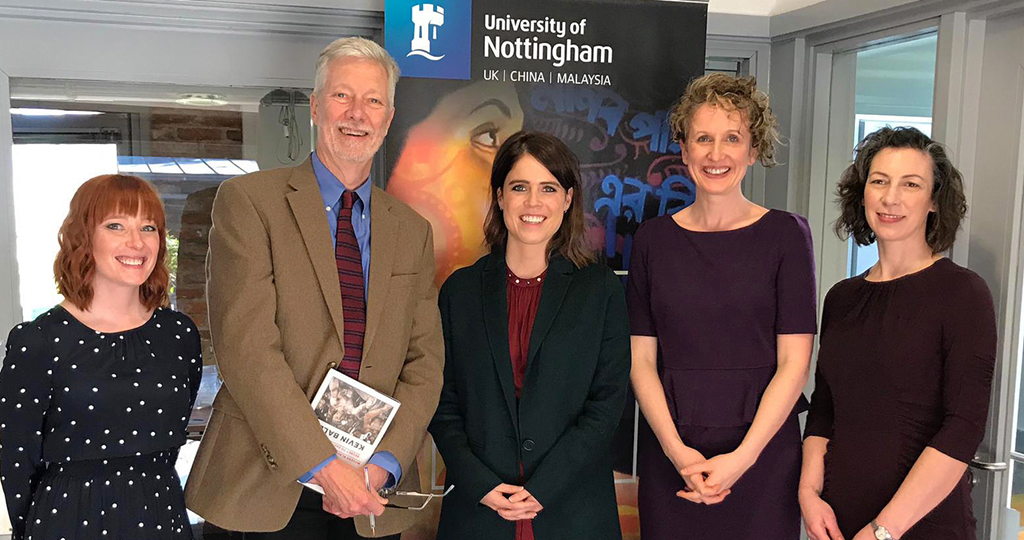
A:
(989, 465)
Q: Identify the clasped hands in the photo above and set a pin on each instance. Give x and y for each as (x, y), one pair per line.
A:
(345, 493)
(820, 520)
(512, 502)
(708, 481)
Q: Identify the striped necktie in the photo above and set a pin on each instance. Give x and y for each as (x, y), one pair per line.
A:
(350, 275)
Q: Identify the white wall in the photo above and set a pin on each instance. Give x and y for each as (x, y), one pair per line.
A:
(213, 47)
(9, 311)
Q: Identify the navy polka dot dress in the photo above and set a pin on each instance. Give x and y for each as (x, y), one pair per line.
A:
(90, 426)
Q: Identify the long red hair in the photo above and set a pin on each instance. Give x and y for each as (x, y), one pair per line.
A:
(96, 200)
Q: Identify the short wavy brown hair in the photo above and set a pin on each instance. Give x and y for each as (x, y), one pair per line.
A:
(731, 94)
(947, 189)
(570, 240)
(97, 199)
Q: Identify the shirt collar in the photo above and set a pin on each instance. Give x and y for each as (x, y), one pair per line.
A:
(331, 188)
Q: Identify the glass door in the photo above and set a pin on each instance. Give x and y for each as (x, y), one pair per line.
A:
(893, 84)
(998, 213)
(867, 82)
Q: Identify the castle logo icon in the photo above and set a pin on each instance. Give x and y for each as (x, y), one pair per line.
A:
(425, 19)
(430, 39)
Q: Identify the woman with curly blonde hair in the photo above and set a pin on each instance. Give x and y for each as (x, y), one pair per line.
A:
(722, 320)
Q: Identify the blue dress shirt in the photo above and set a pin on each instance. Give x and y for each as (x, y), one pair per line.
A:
(331, 190)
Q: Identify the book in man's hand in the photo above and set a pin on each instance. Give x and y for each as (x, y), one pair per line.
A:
(353, 416)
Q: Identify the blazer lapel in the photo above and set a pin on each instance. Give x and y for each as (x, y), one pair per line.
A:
(556, 284)
(383, 236)
(495, 307)
(308, 208)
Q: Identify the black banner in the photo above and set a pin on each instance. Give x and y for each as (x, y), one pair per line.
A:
(600, 75)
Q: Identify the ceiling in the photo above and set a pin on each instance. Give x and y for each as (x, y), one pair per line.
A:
(757, 7)
(90, 94)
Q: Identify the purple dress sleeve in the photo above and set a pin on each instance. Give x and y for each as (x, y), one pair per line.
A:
(969, 347)
(819, 419)
(821, 412)
(796, 305)
(638, 288)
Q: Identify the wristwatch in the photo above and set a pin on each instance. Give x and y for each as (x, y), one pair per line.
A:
(881, 533)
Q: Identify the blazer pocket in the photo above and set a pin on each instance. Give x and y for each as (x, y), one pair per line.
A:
(403, 280)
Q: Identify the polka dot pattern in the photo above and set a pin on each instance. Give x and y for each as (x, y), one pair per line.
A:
(125, 496)
(81, 428)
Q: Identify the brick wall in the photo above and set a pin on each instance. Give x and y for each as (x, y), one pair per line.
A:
(195, 133)
(193, 243)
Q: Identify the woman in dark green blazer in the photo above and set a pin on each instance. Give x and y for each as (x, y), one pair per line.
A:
(537, 363)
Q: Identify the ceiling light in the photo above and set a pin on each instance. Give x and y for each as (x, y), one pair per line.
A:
(202, 100)
(22, 111)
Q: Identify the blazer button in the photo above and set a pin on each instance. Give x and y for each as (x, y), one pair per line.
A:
(528, 445)
(332, 365)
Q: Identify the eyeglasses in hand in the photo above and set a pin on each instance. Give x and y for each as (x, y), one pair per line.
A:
(427, 497)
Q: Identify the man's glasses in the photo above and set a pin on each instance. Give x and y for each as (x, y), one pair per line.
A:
(427, 497)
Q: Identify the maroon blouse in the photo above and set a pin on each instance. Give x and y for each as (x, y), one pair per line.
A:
(523, 299)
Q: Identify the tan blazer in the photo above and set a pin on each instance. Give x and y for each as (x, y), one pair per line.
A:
(276, 322)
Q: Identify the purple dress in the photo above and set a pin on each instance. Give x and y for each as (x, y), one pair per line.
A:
(716, 302)
(903, 365)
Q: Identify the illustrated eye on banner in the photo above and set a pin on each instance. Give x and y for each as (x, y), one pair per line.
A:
(601, 75)
(476, 71)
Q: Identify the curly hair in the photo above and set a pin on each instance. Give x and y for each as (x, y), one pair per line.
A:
(570, 240)
(95, 200)
(947, 189)
(731, 94)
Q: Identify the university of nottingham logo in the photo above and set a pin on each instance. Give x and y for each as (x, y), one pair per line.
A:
(429, 40)
(425, 17)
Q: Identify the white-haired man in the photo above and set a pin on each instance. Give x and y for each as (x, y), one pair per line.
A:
(292, 293)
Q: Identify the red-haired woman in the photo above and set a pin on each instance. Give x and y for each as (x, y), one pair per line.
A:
(95, 393)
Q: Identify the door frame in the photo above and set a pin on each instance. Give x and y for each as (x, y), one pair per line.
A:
(755, 54)
(10, 307)
(830, 110)
(1005, 404)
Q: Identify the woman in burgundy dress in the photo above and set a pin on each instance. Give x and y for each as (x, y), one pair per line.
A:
(536, 363)
(722, 317)
(905, 364)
